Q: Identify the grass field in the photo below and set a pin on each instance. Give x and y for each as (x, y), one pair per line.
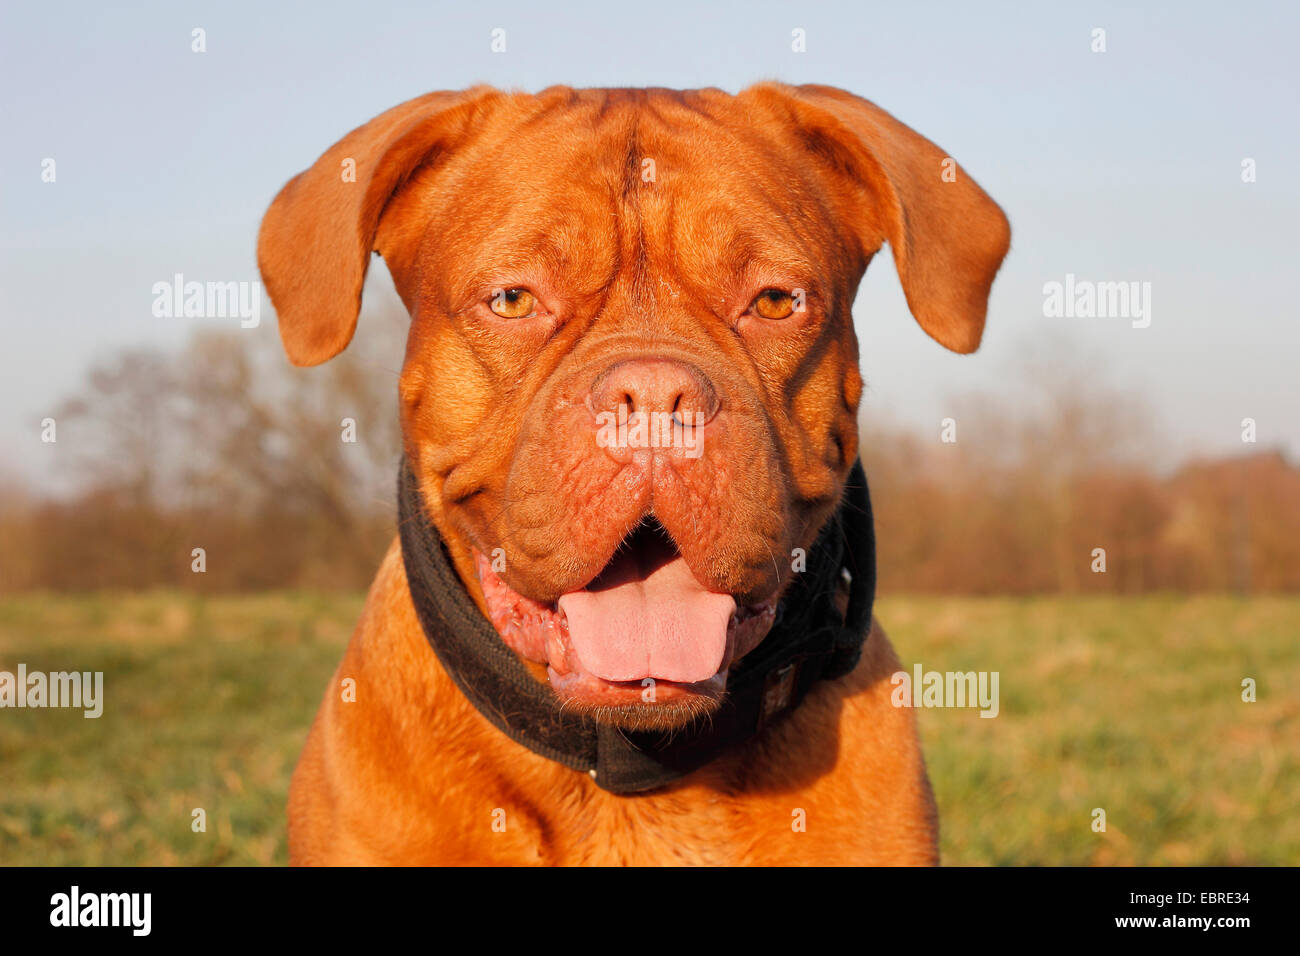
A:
(1130, 705)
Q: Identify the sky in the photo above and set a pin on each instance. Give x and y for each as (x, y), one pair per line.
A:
(1122, 165)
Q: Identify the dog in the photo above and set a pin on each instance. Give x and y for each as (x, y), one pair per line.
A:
(629, 412)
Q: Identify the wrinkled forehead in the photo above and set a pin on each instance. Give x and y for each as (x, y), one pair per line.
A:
(603, 181)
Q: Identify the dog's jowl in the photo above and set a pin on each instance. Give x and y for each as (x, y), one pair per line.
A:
(627, 615)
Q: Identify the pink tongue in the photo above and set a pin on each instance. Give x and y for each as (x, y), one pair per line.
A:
(632, 625)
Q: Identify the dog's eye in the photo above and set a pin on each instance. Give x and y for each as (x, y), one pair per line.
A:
(774, 304)
(512, 303)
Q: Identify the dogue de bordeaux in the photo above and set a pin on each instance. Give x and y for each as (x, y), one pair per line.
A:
(626, 619)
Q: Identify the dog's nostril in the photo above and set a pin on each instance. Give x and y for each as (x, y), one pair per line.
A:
(656, 385)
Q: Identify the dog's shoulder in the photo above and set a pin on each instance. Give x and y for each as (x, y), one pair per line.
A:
(843, 776)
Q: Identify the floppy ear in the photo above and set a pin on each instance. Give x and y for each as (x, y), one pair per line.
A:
(948, 237)
(317, 236)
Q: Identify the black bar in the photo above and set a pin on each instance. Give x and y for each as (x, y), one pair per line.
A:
(651, 907)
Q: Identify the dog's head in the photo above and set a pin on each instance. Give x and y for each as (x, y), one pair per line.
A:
(631, 382)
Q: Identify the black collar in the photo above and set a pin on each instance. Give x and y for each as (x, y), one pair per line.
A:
(809, 641)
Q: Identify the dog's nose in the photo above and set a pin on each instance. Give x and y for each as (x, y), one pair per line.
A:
(656, 385)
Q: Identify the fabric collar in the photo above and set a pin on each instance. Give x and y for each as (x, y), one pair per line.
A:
(810, 640)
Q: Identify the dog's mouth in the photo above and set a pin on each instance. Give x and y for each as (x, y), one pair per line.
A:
(642, 634)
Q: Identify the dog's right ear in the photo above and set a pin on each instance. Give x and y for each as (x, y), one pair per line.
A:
(948, 237)
(317, 236)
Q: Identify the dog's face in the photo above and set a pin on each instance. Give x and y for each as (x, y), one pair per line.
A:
(631, 383)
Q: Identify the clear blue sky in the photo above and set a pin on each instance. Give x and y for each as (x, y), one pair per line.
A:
(1116, 166)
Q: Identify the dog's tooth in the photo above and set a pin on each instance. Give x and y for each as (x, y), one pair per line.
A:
(555, 652)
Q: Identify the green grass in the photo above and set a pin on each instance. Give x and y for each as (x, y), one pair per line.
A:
(1131, 705)
(206, 704)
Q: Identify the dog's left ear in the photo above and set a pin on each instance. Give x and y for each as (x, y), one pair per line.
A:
(316, 239)
(948, 237)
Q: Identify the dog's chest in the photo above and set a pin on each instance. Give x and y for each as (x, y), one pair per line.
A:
(693, 828)
(736, 812)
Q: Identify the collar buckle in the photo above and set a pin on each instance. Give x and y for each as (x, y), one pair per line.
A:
(778, 691)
